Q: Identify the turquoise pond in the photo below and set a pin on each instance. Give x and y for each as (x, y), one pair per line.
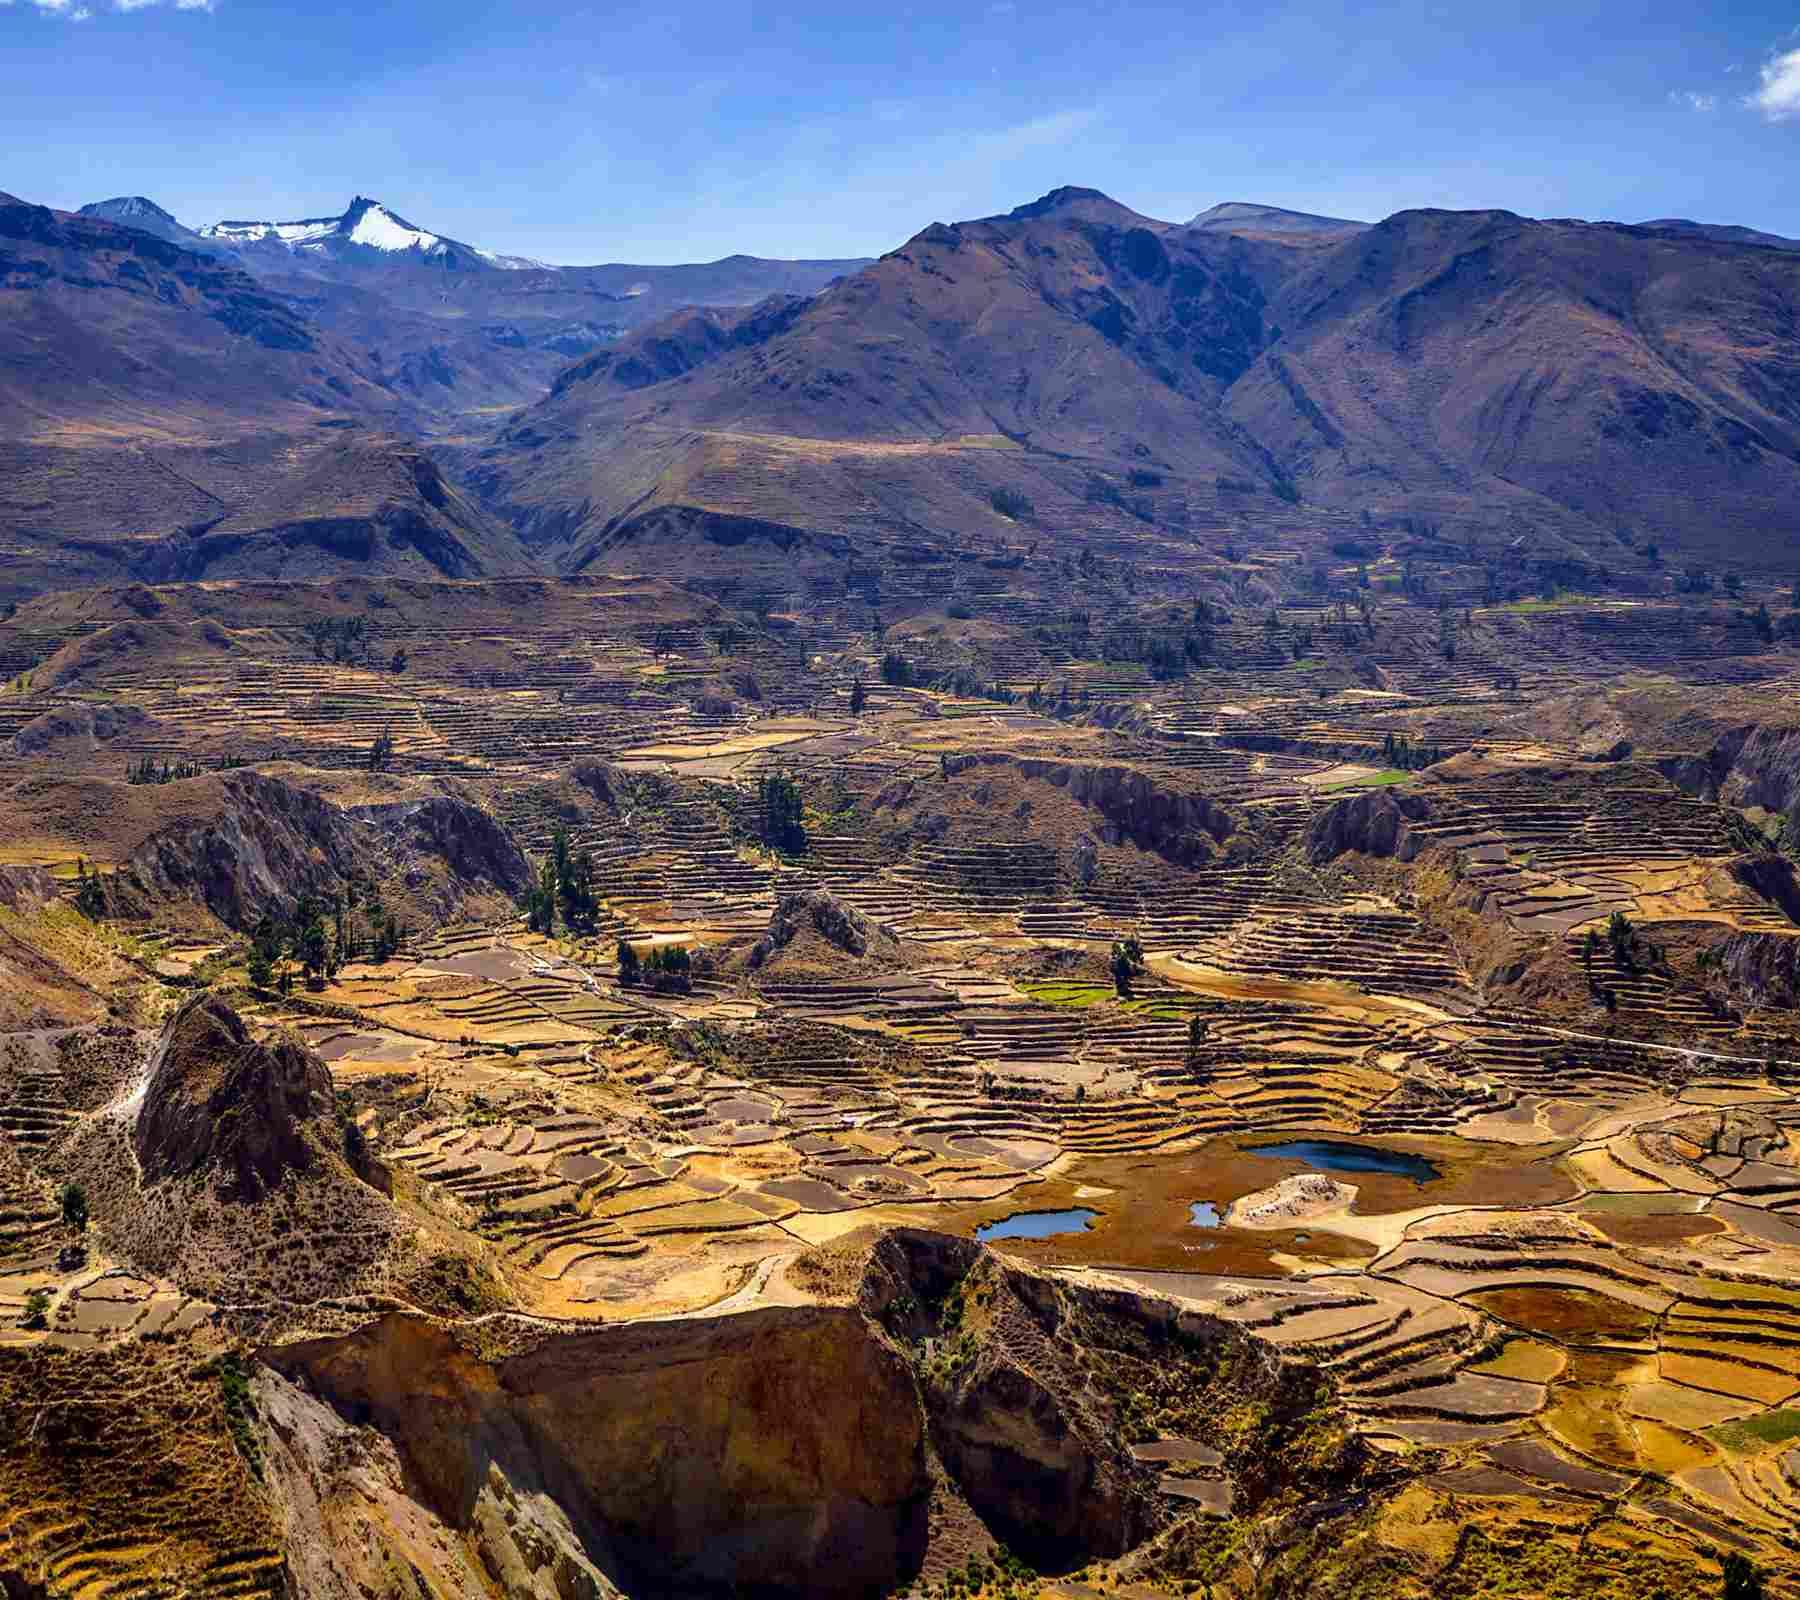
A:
(1336, 1155)
(1037, 1224)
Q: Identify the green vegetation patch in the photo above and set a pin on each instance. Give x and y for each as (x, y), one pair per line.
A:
(1753, 1433)
(1385, 779)
(1068, 994)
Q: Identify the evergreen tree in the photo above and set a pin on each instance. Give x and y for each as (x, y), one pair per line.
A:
(782, 812)
(314, 950)
(381, 752)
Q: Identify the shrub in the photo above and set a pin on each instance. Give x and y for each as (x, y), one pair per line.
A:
(37, 1309)
(74, 1206)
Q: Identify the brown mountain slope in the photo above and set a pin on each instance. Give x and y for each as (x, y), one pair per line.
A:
(108, 330)
(898, 401)
(163, 414)
(1519, 387)
(1479, 366)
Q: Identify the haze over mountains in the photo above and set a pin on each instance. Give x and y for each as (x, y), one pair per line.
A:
(1559, 391)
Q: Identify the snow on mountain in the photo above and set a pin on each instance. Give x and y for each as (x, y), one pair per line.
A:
(367, 223)
(380, 229)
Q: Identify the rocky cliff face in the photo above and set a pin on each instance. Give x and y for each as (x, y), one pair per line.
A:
(266, 841)
(1374, 824)
(778, 1451)
(1036, 1386)
(1184, 826)
(1749, 766)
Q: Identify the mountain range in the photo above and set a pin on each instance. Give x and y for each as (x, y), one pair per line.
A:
(181, 400)
(455, 329)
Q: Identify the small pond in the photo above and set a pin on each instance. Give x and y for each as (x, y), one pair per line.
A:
(1037, 1224)
(1204, 1214)
(1336, 1155)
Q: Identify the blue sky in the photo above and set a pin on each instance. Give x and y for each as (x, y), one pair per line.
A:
(582, 133)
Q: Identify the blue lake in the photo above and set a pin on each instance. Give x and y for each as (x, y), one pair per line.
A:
(1203, 1214)
(1336, 1155)
(1037, 1224)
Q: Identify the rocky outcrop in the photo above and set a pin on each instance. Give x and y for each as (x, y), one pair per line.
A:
(26, 888)
(260, 842)
(352, 1531)
(75, 729)
(1748, 766)
(1139, 808)
(1373, 823)
(1770, 877)
(776, 1451)
(217, 1100)
(840, 925)
(1035, 1386)
(1761, 969)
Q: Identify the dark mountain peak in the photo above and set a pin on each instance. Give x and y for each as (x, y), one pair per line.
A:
(126, 208)
(1087, 205)
(146, 216)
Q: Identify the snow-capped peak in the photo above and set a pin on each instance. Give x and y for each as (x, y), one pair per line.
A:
(366, 222)
(379, 229)
(371, 226)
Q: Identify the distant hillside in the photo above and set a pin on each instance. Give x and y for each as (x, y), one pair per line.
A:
(1723, 233)
(453, 328)
(1509, 385)
(149, 394)
(1503, 377)
(971, 362)
(1236, 216)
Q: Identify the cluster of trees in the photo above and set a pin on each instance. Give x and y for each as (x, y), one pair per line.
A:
(349, 642)
(381, 752)
(782, 811)
(1013, 505)
(897, 672)
(1401, 753)
(342, 640)
(147, 770)
(320, 937)
(665, 969)
(565, 885)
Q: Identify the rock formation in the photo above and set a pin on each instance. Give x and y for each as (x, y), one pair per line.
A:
(823, 913)
(218, 1101)
(1374, 823)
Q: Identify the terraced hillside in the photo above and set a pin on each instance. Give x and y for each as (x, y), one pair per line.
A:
(1319, 1119)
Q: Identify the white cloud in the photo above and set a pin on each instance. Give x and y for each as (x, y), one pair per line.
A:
(1694, 101)
(81, 11)
(1778, 95)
